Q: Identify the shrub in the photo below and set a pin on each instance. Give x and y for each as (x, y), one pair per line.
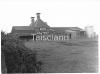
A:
(18, 58)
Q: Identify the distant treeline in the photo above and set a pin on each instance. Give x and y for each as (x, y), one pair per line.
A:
(16, 58)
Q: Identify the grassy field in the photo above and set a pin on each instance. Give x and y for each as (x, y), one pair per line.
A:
(73, 56)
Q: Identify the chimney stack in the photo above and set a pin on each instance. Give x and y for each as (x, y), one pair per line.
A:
(38, 16)
(32, 21)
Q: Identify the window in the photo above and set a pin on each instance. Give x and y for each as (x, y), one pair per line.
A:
(42, 28)
(52, 30)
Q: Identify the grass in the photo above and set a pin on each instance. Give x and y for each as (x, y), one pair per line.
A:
(73, 56)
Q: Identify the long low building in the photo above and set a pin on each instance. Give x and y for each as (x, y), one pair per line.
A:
(40, 27)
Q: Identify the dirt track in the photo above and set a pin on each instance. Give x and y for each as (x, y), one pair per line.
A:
(65, 57)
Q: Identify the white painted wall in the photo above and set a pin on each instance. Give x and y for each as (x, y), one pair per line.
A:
(90, 31)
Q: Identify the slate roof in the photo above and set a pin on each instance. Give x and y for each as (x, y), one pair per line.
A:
(63, 29)
(40, 23)
(30, 29)
(55, 28)
(67, 28)
(23, 28)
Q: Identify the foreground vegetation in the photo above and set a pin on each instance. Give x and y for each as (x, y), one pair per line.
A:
(71, 56)
(16, 58)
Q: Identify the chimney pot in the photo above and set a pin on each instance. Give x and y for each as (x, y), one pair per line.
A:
(38, 15)
(32, 17)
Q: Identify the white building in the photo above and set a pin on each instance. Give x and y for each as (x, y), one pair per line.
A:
(90, 31)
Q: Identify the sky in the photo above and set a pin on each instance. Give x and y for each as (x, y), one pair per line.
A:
(57, 13)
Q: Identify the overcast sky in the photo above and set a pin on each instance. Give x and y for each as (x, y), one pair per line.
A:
(57, 13)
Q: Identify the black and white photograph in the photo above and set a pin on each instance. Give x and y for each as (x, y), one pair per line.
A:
(49, 36)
